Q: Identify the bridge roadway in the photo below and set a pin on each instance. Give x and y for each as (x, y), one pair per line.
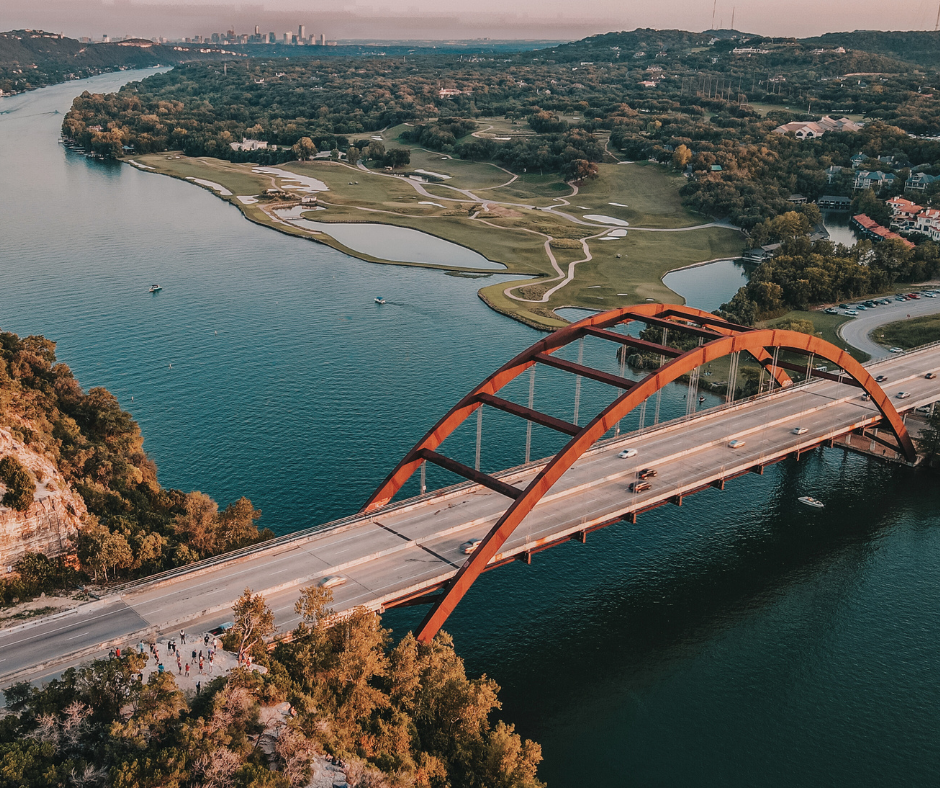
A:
(406, 549)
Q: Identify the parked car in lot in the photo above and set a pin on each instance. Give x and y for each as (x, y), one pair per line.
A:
(861, 307)
(647, 473)
(851, 312)
(930, 375)
(881, 379)
(640, 487)
(469, 547)
(929, 295)
(900, 298)
(737, 443)
(799, 430)
(903, 395)
(885, 302)
(913, 295)
(626, 454)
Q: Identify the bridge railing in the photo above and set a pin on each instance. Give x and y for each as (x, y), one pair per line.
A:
(297, 536)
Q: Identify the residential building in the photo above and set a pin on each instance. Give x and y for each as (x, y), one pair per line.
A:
(804, 130)
(918, 181)
(928, 223)
(874, 231)
(903, 213)
(247, 144)
(833, 202)
(868, 179)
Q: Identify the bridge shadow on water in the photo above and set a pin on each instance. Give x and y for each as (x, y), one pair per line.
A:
(705, 625)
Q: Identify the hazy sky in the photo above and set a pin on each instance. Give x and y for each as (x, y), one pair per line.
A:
(370, 19)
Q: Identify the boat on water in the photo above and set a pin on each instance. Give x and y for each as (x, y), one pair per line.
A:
(811, 502)
(154, 288)
(379, 300)
(701, 399)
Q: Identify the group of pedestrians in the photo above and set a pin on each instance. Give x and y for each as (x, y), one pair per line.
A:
(202, 659)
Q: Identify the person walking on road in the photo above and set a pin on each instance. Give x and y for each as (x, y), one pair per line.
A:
(182, 637)
(187, 670)
(200, 665)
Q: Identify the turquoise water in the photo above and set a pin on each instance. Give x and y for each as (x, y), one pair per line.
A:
(738, 640)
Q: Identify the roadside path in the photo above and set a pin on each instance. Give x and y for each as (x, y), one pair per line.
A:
(856, 332)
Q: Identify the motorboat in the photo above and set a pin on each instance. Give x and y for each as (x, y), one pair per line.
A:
(379, 300)
(154, 289)
(809, 501)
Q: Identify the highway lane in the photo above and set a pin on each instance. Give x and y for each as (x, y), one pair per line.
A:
(856, 332)
(400, 550)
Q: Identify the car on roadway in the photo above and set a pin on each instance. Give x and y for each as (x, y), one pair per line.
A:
(626, 454)
(881, 379)
(636, 487)
(647, 473)
(737, 443)
(852, 312)
(799, 430)
(468, 547)
(865, 397)
(221, 629)
(332, 581)
(930, 375)
(903, 395)
(896, 350)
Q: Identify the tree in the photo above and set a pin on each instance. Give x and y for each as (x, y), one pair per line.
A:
(101, 551)
(397, 157)
(253, 622)
(375, 151)
(681, 157)
(198, 523)
(580, 170)
(304, 149)
(352, 155)
(20, 485)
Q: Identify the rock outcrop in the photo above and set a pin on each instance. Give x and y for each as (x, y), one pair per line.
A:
(52, 519)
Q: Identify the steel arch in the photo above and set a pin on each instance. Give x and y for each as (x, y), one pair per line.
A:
(724, 339)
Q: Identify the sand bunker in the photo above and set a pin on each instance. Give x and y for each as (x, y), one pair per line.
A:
(597, 217)
(215, 186)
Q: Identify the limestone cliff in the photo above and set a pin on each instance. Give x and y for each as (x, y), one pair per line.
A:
(52, 519)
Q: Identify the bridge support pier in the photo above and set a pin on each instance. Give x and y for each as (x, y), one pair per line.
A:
(630, 517)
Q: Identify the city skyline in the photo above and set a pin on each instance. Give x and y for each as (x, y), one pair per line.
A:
(423, 19)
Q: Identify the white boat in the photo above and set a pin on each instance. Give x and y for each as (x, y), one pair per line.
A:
(379, 300)
(154, 288)
(811, 502)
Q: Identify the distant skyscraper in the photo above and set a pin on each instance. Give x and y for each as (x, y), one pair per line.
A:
(301, 33)
(272, 37)
(287, 37)
(257, 30)
(322, 39)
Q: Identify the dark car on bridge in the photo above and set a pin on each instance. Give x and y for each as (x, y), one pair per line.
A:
(647, 473)
(640, 487)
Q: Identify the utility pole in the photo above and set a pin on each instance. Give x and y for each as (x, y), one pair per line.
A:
(715, 5)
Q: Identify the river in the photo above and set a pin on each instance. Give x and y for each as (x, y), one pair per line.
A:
(738, 640)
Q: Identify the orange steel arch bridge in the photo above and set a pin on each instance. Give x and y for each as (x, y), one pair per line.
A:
(716, 337)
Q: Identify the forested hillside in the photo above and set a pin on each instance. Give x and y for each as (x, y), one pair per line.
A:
(133, 526)
(32, 58)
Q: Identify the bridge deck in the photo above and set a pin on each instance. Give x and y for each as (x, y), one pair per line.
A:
(403, 551)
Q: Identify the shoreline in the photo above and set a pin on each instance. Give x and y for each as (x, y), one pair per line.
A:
(221, 176)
